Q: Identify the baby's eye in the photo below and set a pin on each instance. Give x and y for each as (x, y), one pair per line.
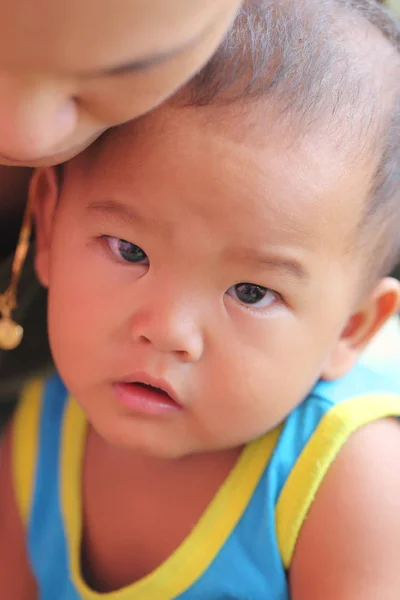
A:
(252, 294)
(126, 250)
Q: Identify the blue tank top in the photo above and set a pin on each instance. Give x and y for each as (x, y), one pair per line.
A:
(242, 546)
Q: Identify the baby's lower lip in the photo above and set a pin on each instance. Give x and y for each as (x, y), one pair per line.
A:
(145, 400)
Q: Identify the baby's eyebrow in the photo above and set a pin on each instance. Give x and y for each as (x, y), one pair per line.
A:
(113, 208)
(272, 260)
(110, 209)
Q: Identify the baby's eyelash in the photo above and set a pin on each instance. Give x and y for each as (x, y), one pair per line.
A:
(253, 296)
(125, 251)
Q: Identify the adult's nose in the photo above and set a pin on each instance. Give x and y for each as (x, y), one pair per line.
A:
(35, 119)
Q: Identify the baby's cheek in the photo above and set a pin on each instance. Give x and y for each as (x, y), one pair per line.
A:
(263, 387)
(69, 321)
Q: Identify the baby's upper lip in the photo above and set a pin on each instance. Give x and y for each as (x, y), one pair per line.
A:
(156, 382)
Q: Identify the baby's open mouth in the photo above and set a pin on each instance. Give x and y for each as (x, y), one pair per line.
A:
(146, 398)
(152, 388)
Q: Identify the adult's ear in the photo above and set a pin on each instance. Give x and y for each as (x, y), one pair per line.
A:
(43, 194)
(382, 303)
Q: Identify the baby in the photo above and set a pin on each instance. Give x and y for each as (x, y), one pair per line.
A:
(214, 272)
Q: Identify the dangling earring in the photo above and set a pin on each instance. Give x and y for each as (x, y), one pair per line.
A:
(11, 332)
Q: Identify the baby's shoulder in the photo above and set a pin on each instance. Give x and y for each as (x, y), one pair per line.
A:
(348, 545)
(317, 434)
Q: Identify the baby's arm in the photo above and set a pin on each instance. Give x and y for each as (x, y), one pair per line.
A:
(16, 579)
(348, 548)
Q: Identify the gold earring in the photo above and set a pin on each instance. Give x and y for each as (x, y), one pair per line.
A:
(11, 332)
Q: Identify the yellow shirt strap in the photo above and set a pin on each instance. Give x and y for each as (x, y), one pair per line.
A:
(321, 450)
(24, 446)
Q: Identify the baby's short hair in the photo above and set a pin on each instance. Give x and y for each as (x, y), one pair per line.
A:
(306, 55)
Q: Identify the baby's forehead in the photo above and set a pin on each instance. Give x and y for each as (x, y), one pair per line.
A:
(252, 127)
(238, 156)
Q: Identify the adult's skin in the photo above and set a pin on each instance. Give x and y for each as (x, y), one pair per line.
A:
(69, 69)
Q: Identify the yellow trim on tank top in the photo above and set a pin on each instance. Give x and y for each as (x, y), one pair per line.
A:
(25, 439)
(321, 450)
(194, 555)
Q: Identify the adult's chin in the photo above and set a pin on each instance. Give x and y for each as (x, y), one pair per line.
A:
(49, 160)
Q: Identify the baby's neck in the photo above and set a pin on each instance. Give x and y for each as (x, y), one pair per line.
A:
(125, 461)
(141, 506)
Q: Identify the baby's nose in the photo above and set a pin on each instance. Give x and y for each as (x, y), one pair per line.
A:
(169, 328)
(34, 120)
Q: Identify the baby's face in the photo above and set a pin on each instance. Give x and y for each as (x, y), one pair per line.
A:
(69, 69)
(206, 258)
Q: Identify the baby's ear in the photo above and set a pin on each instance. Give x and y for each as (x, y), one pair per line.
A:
(382, 303)
(43, 193)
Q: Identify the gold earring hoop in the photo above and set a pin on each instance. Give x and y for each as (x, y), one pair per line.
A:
(11, 333)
